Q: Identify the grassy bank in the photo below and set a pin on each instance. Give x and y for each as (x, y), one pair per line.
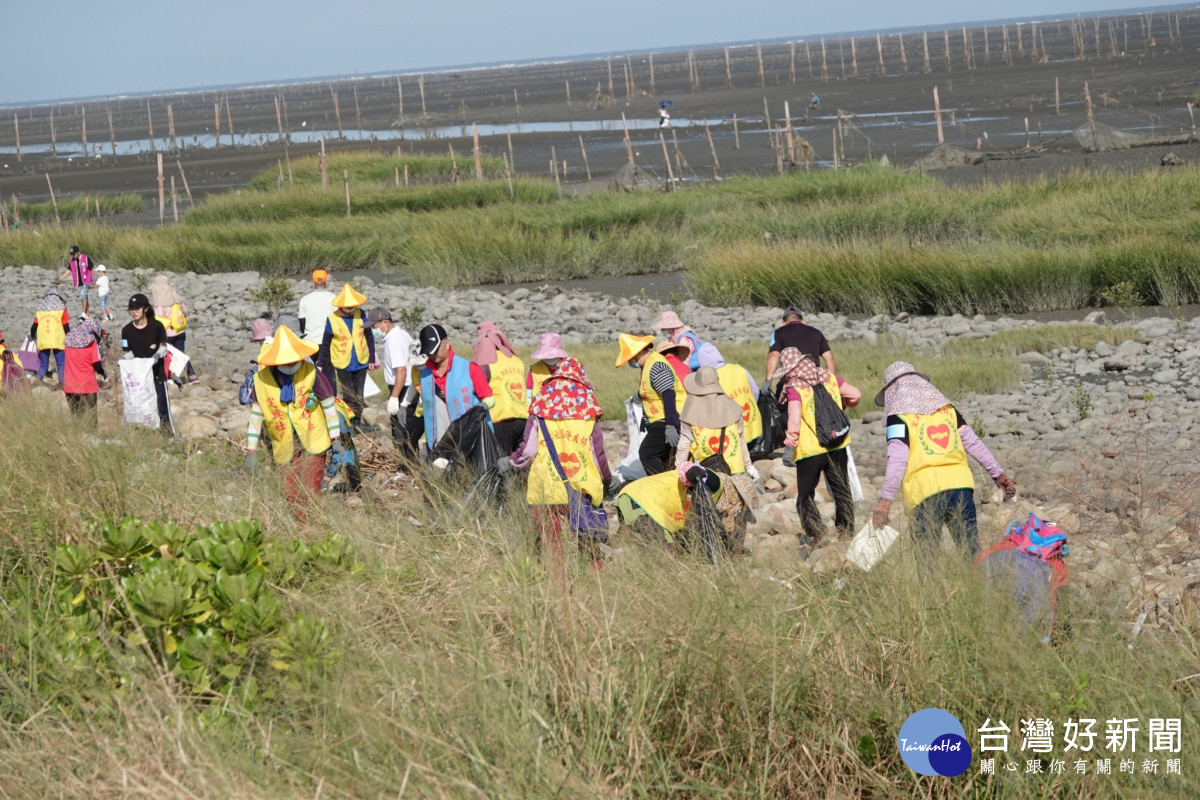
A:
(455, 664)
(80, 208)
(863, 240)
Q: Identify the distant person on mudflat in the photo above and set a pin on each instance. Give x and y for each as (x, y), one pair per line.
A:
(664, 117)
(315, 308)
(815, 102)
(80, 272)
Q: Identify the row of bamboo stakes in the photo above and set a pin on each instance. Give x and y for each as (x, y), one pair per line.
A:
(1013, 50)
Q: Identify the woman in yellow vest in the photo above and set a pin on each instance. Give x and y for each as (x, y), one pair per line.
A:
(800, 374)
(348, 351)
(662, 397)
(927, 447)
(741, 388)
(505, 373)
(294, 405)
(712, 448)
(49, 330)
(547, 355)
(568, 413)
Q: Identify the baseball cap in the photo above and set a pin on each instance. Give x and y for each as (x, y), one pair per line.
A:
(74, 249)
(431, 336)
(101, 268)
(320, 275)
(139, 300)
(378, 314)
(792, 311)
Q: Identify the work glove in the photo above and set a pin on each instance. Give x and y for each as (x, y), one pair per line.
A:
(503, 465)
(1010, 489)
(339, 449)
(393, 406)
(789, 455)
(672, 436)
(248, 464)
(879, 517)
(752, 471)
(696, 475)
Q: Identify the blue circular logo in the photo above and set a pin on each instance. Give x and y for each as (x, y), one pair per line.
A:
(933, 742)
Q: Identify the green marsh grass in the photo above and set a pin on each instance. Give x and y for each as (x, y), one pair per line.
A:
(81, 207)
(468, 667)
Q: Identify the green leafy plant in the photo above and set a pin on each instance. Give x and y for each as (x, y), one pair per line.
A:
(275, 294)
(1081, 398)
(410, 318)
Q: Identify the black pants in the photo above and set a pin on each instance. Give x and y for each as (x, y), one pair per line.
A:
(350, 389)
(179, 342)
(509, 433)
(164, 409)
(834, 466)
(83, 405)
(402, 430)
(654, 451)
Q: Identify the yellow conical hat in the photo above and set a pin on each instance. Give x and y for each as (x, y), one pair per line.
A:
(285, 348)
(630, 346)
(348, 298)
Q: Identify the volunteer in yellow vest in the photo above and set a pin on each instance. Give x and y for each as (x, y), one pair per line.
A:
(712, 448)
(927, 447)
(800, 374)
(49, 330)
(348, 351)
(654, 507)
(294, 405)
(741, 388)
(567, 410)
(662, 397)
(505, 373)
(545, 358)
(170, 310)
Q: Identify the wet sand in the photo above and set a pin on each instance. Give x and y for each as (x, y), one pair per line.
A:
(1144, 86)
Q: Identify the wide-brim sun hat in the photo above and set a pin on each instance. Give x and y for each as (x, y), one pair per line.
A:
(631, 346)
(348, 298)
(286, 348)
(913, 391)
(260, 329)
(549, 346)
(680, 350)
(667, 321)
(707, 405)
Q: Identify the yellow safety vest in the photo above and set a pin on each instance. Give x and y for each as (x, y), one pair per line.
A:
(736, 382)
(573, 442)
(937, 460)
(807, 446)
(652, 402)
(343, 339)
(709, 439)
(50, 334)
(539, 373)
(507, 380)
(663, 497)
(178, 319)
(309, 424)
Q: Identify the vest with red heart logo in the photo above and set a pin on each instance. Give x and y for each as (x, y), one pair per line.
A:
(573, 441)
(708, 444)
(508, 388)
(937, 461)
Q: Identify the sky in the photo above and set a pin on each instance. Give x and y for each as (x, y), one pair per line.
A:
(70, 48)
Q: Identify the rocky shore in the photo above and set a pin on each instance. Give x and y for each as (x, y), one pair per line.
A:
(1100, 440)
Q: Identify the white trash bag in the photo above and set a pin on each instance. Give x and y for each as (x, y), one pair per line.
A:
(137, 388)
(870, 544)
(856, 492)
(631, 468)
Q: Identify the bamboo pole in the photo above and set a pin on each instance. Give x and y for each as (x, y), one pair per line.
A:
(171, 127)
(187, 188)
(337, 111)
(554, 169)
(1020, 44)
(150, 128)
(842, 56)
(162, 202)
(53, 200)
(3, 216)
(1087, 95)
(512, 195)
(229, 119)
(770, 127)
(1191, 107)
(824, 64)
(175, 200)
(1006, 54)
(511, 157)
(667, 158)
(568, 83)
(728, 72)
(808, 58)
(946, 48)
(517, 100)
(628, 88)
(853, 57)
(357, 112)
(406, 174)
(583, 151)
(1057, 112)
(762, 78)
(652, 89)
(421, 87)
(346, 185)
(903, 55)
(987, 50)
(1026, 133)
(879, 49)
(791, 146)
(628, 144)
(324, 167)
(85, 144)
(478, 152)
(53, 136)
(278, 119)
(712, 149)
(833, 134)
(925, 47)
(453, 166)
(400, 97)
(737, 140)
(1033, 41)
(792, 62)
(611, 92)
(966, 50)
(16, 212)
(937, 113)
(396, 170)
(216, 124)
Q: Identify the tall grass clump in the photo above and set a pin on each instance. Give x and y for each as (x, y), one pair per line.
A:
(465, 662)
(79, 207)
(375, 168)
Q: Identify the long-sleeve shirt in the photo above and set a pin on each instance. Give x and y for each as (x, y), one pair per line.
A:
(897, 455)
(322, 388)
(522, 457)
(796, 416)
(687, 437)
(327, 340)
(662, 380)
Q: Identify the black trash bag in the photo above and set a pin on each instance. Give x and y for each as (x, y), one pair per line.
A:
(704, 523)
(470, 444)
(774, 422)
(832, 427)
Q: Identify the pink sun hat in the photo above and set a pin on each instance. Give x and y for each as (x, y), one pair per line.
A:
(667, 321)
(549, 346)
(260, 329)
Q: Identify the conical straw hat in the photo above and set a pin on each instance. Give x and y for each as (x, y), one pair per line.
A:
(348, 298)
(286, 348)
(630, 346)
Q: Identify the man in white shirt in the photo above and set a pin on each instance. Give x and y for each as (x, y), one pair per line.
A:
(397, 346)
(315, 308)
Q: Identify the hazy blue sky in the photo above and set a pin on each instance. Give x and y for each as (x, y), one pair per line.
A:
(71, 48)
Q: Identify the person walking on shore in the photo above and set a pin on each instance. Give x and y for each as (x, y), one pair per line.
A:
(102, 292)
(348, 351)
(79, 270)
(505, 373)
(805, 338)
(701, 353)
(928, 442)
(315, 308)
(83, 364)
(51, 323)
(397, 348)
(171, 311)
(146, 337)
(662, 397)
